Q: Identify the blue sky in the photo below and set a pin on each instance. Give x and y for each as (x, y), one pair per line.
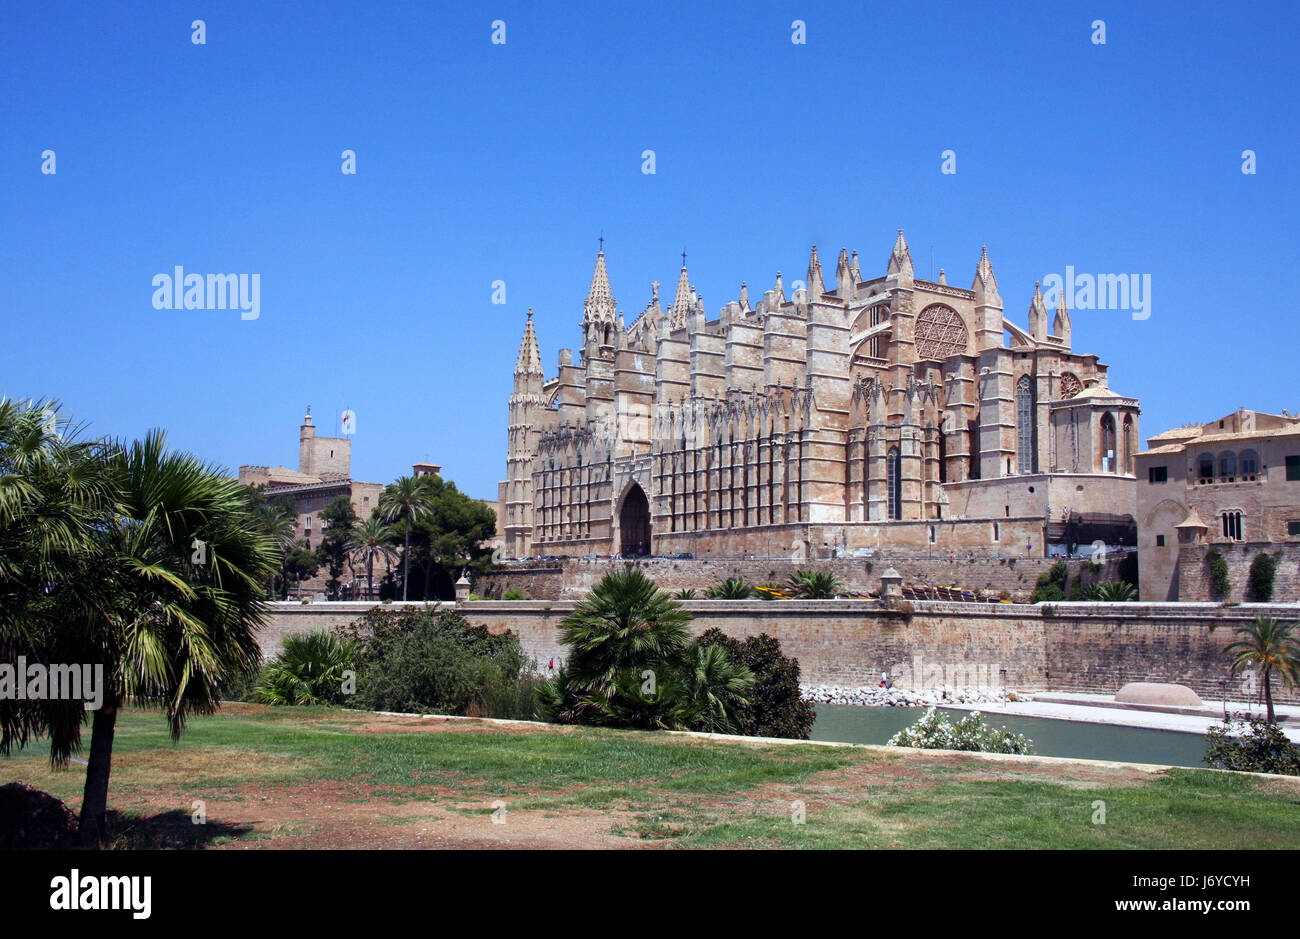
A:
(479, 162)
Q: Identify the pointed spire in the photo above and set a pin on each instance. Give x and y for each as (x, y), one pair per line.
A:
(779, 288)
(854, 269)
(683, 300)
(844, 282)
(1038, 314)
(816, 285)
(985, 284)
(943, 278)
(900, 259)
(744, 297)
(1061, 322)
(529, 361)
(600, 305)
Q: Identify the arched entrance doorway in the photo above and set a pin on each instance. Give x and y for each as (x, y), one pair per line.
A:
(634, 524)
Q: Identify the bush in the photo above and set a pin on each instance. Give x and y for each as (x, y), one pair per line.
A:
(513, 594)
(814, 585)
(1255, 746)
(1051, 584)
(239, 686)
(1260, 580)
(775, 708)
(1111, 591)
(934, 731)
(428, 661)
(1219, 583)
(309, 670)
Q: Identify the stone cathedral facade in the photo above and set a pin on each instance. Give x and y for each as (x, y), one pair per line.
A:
(891, 415)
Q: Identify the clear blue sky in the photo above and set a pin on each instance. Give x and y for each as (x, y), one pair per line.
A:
(478, 162)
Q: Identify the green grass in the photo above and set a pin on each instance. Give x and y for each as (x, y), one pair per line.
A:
(671, 790)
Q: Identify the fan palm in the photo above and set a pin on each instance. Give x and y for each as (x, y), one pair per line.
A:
(407, 499)
(733, 588)
(372, 539)
(308, 670)
(1111, 591)
(814, 585)
(1273, 647)
(715, 688)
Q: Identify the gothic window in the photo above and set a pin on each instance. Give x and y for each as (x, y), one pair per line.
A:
(1127, 465)
(1227, 464)
(1025, 425)
(1231, 525)
(1249, 463)
(1108, 444)
(939, 333)
(894, 484)
(1070, 385)
(879, 313)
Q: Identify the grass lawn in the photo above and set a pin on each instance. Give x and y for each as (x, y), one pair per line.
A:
(321, 778)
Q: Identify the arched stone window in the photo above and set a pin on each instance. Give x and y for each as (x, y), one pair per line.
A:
(1108, 454)
(1249, 463)
(1205, 467)
(1126, 466)
(939, 333)
(1227, 464)
(1025, 425)
(894, 484)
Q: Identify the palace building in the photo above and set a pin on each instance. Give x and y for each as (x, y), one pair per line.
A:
(890, 414)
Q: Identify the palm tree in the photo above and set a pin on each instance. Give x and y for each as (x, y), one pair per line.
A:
(716, 688)
(814, 585)
(1111, 591)
(1274, 647)
(281, 527)
(372, 539)
(733, 588)
(407, 499)
(308, 670)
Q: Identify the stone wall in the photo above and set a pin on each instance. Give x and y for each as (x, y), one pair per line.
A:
(1088, 647)
(1194, 573)
(572, 579)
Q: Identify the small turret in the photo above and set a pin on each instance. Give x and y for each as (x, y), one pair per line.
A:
(1038, 315)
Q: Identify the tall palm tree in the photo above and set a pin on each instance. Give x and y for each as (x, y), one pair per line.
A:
(407, 499)
(281, 527)
(1274, 647)
(372, 539)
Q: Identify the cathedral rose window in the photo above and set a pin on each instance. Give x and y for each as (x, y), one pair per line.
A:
(939, 333)
(1070, 385)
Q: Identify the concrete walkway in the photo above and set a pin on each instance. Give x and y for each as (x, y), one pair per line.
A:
(1089, 708)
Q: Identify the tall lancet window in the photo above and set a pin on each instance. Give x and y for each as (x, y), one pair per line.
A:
(1025, 456)
(894, 484)
(1108, 454)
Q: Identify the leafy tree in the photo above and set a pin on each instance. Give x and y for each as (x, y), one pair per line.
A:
(1259, 582)
(337, 543)
(814, 585)
(372, 539)
(733, 588)
(1051, 584)
(776, 706)
(145, 562)
(449, 537)
(1272, 647)
(299, 563)
(406, 500)
(309, 670)
(513, 594)
(1220, 586)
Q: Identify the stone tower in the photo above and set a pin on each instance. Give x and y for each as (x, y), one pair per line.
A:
(322, 456)
(526, 403)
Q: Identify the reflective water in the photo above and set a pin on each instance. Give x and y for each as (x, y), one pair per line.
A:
(849, 724)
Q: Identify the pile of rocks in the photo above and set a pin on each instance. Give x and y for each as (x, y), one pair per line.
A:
(904, 697)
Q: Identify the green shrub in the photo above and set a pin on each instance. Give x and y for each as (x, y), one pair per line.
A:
(775, 708)
(239, 686)
(1255, 746)
(430, 661)
(934, 731)
(814, 585)
(513, 594)
(1220, 586)
(1111, 591)
(1260, 580)
(1050, 585)
(309, 670)
(686, 594)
